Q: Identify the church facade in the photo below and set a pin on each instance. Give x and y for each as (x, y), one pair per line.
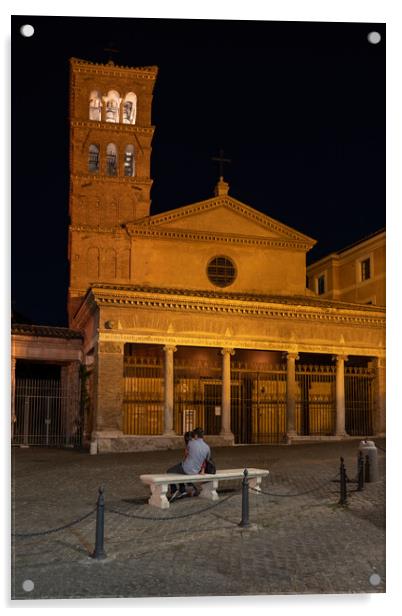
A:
(200, 315)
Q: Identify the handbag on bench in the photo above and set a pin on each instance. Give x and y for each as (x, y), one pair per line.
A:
(210, 467)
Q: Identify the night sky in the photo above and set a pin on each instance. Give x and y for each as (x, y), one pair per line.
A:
(299, 108)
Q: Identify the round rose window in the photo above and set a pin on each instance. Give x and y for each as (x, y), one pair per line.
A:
(221, 271)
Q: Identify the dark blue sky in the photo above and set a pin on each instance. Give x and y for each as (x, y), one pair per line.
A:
(298, 107)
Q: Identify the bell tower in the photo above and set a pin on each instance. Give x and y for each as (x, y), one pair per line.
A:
(110, 159)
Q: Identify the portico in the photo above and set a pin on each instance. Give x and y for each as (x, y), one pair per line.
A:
(243, 383)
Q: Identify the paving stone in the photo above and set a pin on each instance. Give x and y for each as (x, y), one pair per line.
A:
(302, 541)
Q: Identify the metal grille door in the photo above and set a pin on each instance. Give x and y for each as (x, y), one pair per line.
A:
(143, 395)
(197, 395)
(46, 414)
(315, 400)
(258, 403)
(359, 406)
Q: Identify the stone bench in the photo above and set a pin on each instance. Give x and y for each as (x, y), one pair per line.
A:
(159, 483)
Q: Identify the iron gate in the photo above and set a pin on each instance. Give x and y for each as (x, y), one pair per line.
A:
(143, 395)
(197, 396)
(258, 399)
(315, 400)
(258, 403)
(46, 414)
(359, 402)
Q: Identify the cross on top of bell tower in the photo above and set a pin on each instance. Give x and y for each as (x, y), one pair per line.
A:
(111, 49)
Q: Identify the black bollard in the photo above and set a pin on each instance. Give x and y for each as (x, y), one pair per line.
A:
(343, 500)
(99, 552)
(360, 472)
(244, 501)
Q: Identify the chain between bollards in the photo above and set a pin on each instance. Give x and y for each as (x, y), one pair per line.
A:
(99, 552)
(244, 501)
(343, 500)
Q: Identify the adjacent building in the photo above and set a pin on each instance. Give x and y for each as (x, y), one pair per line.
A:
(354, 274)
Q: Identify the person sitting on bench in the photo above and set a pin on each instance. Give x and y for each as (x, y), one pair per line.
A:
(197, 452)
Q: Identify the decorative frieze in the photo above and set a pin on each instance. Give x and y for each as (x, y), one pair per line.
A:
(191, 304)
(114, 70)
(111, 347)
(117, 128)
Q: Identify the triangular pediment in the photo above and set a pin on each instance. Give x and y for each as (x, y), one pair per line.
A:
(222, 216)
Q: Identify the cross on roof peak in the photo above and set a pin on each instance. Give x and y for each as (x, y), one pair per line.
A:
(221, 160)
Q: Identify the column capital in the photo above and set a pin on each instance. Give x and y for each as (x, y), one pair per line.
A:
(291, 355)
(225, 350)
(170, 348)
(340, 357)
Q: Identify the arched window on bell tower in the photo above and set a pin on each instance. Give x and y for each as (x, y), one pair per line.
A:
(95, 106)
(129, 161)
(129, 108)
(93, 158)
(111, 159)
(112, 101)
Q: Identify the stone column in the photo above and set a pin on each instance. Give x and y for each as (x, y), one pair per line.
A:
(379, 396)
(340, 394)
(291, 393)
(169, 391)
(103, 111)
(13, 415)
(225, 427)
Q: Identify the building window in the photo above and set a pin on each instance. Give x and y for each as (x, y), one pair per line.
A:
(365, 270)
(95, 106)
(111, 159)
(221, 271)
(321, 284)
(93, 158)
(129, 108)
(112, 106)
(129, 162)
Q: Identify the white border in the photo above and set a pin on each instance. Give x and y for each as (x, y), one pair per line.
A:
(286, 10)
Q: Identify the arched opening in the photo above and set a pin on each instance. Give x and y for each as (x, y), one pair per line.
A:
(111, 159)
(95, 106)
(129, 161)
(112, 106)
(93, 158)
(130, 108)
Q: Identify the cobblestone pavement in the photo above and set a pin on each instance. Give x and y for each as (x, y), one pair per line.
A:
(300, 542)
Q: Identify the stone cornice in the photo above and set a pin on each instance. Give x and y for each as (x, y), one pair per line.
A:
(113, 128)
(224, 238)
(274, 307)
(89, 179)
(107, 230)
(142, 72)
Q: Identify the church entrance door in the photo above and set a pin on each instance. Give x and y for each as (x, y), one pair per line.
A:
(258, 403)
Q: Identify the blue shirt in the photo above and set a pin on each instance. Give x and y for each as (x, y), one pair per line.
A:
(198, 452)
